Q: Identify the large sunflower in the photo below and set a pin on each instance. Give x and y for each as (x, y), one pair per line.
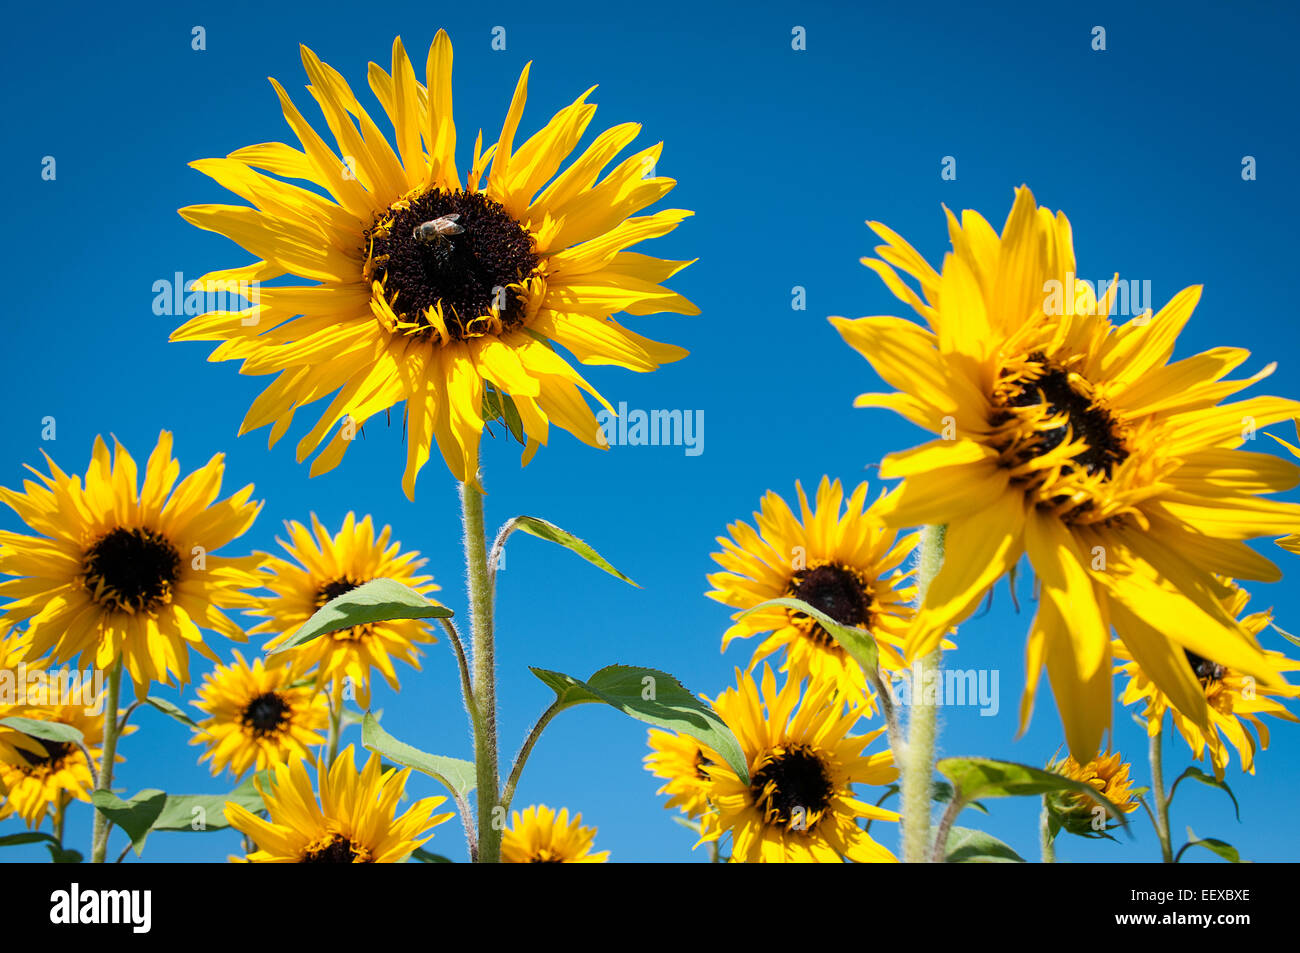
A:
(324, 567)
(541, 835)
(837, 557)
(799, 805)
(257, 716)
(1075, 441)
(44, 775)
(117, 572)
(428, 288)
(1234, 700)
(355, 821)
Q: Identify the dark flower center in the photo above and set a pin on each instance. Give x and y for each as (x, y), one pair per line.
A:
(835, 590)
(55, 752)
(1085, 419)
(333, 589)
(545, 860)
(131, 569)
(338, 850)
(799, 788)
(1206, 671)
(468, 264)
(267, 714)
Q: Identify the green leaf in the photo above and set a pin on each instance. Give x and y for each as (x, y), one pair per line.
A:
(983, 778)
(425, 857)
(670, 705)
(966, 846)
(379, 600)
(45, 730)
(178, 813)
(1283, 632)
(351, 716)
(942, 793)
(60, 855)
(27, 837)
(498, 406)
(1196, 774)
(859, 643)
(172, 710)
(549, 531)
(136, 816)
(1222, 848)
(455, 775)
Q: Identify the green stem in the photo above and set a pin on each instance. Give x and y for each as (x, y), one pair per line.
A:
(1159, 796)
(336, 721)
(484, 674)
(99, 834)
(922, 725)
(522, 758)
(1045, 835)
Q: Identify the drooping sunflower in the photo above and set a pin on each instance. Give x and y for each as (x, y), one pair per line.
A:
(355, 820)
(257, 716)
(837, 557)
(541, 835)
(799, 805)
(680, 760)
(113, 571)
(1077, 813)
(43, 775)
(1075, 441)
(1234, 700)
(428, 288)
(327, 566)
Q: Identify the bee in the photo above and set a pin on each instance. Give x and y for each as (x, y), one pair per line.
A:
(439, 229)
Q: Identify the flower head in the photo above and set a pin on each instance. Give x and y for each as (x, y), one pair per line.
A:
(1080, 814)
(414, 284)
(542, 835)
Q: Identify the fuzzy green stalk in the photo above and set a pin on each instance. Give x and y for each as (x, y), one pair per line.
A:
(104, 780)
(1160, 796)
(483, 660)
(922, 723)
(335, 699)
(1046, 835)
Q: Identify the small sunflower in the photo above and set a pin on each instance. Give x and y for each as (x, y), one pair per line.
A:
(322, 568)
(543, 836)
(1077, 813)
(354, 822)
(799, 805)
(1235, 700)
(427, 288)
(837, 557)
(258, 717)
(44, 775)
(116, 572)
(1077, 442)
(680, 760)
(14, 667)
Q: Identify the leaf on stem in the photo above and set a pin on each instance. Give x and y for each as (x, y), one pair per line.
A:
(456, 775)
(859, 643)
(966, 846)
(655, 698)
(379, 600)
(552, 533)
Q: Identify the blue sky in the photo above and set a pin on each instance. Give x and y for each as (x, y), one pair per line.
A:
(783, 155)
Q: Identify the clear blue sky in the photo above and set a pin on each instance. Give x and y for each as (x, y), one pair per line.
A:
(783, 155)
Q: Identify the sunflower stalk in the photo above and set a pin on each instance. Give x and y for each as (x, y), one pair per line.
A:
(104, 780)
(1046, 835)
(918, 757)
(335, 698)
(1160, 796)
(483, 660)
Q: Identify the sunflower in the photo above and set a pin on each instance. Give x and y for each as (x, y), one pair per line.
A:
(44, 776)
(324, 567)
(355, 821)
(1234, 700)
(426, 288)
(680, 760)
(1077, 442)
(837, 557)
(258, 717)
(543, 836)
(1078, 813)
(15, 667)
(1290, 543)
(799, 805)
(115, 572)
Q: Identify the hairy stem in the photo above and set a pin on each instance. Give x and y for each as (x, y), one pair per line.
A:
(336, 721)
(104, 780)
(1045, 835)
(484, 673)
(522, 758)
(1159, 796)
(922, 725)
